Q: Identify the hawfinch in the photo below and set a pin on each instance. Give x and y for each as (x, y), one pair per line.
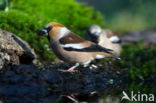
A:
(104, 38)
(71, 48)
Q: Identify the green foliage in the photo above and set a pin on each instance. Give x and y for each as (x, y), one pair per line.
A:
(139, 15)
(139, 60)
(126, 22)
(74, 15)
(127, 15)
(25, 17)
(3, 4)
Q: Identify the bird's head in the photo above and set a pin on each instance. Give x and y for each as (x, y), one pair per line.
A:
(53, 30)
(93, 32)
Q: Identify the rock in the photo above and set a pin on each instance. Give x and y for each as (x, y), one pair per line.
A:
(148, 36)
(50, 76)
(28, 83)
(13, 50)
(29, 75)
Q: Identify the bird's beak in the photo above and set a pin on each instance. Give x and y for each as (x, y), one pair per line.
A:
(96, 34)
(43, 32)
(95, 37)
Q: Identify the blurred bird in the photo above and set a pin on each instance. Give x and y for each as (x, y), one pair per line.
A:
(104, 38)
(71, 48)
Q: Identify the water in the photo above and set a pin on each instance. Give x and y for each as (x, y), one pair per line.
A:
(112, 94)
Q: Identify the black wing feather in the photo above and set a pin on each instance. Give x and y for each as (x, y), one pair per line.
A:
(93, 48)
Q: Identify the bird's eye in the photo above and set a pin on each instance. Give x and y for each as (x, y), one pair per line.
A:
(49, 28)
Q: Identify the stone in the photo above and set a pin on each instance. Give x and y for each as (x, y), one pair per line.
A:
(13, 50)
(148, 36)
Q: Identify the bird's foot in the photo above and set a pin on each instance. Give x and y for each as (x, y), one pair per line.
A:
(73, 99)
(72, 70)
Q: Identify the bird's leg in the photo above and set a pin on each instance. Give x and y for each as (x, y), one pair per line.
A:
(71, 69)
(73, 99)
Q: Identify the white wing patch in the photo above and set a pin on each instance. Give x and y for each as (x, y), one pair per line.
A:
(76, 46)
(114, 39)
(99, 56)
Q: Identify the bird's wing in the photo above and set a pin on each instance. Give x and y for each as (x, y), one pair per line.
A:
(73, 42)
(108, 32)
(113, 38)
(92, 48)
(71, 38)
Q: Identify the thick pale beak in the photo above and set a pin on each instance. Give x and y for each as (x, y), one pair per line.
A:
(43, 32)
(95, 37)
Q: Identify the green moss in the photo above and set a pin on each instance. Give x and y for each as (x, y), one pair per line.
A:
(3, 4)
(139, 60)
(25, 26)
(25, 17)
(74, 15)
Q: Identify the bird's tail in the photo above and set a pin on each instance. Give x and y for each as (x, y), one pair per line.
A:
(105, 52)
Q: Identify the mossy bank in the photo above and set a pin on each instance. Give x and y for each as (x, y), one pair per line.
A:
(25, 17)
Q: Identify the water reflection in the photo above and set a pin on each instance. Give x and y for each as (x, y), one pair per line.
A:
(111, 94)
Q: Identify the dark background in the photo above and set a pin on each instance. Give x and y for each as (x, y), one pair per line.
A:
(126, 15)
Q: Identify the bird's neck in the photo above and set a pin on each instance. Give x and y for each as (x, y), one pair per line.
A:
(63, 32)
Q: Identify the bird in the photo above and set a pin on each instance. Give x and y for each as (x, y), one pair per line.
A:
(71, 48)
(104, 38)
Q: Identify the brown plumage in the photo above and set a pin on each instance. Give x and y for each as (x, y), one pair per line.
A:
(72, 38)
